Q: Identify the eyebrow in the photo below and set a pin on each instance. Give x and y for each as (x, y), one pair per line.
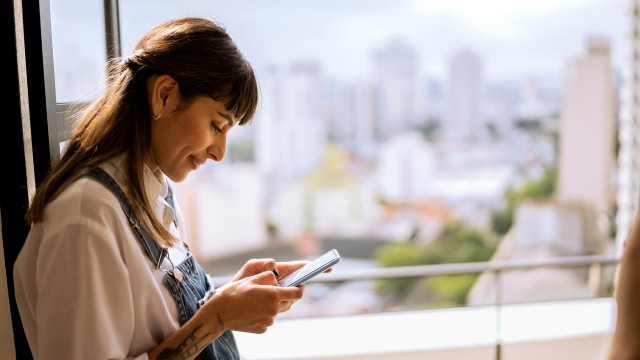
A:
(227, 117)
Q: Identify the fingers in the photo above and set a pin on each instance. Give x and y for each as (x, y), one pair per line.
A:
(282, 269)
(269, 265)
(285, 306)
(260, 265)
(265, 278)
(293, 293)
(255, 266)
(286, 268)
(252, 304)
(292, 297)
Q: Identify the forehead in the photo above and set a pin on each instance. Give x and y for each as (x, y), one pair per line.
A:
(217, 108)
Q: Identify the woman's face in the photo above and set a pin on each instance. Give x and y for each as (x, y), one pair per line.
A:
(182, 140)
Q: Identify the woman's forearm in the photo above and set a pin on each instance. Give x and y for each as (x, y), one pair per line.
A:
(190, 339)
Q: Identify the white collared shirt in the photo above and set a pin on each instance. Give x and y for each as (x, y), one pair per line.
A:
(84, 286)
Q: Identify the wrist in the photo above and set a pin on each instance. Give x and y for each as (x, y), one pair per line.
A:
(211, 312)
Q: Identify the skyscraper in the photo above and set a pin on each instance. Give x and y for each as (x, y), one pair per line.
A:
(587, 131)
(291, 127)
(396, 74)
(465, 95)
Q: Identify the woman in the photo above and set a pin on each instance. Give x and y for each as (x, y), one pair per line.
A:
(106, 271)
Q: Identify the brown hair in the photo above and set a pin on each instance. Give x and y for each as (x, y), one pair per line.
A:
(201, 57)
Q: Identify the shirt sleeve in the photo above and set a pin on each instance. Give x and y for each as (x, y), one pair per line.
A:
(85, 307)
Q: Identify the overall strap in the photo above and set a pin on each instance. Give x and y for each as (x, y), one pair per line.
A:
(155, 252)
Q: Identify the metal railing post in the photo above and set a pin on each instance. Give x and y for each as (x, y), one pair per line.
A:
(498, 273)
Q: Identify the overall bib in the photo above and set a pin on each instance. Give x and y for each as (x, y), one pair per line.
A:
(187, 282)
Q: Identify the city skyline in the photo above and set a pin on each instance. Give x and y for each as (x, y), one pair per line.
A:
(515, 40)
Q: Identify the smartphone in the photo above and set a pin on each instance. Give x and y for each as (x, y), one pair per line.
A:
(317, 266)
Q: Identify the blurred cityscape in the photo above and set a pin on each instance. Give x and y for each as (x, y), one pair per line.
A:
(394, 165)
(355, 165)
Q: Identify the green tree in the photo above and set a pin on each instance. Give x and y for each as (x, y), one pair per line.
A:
(430, 130)
(399, 254)
(457, 243)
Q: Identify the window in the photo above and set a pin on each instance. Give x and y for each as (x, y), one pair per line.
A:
(401, 133)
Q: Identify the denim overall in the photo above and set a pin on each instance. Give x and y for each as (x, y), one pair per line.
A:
(187, 282)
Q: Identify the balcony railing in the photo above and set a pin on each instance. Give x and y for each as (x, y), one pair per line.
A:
(553, 329)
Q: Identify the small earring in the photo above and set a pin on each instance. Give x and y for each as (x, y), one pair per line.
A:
(157, 117)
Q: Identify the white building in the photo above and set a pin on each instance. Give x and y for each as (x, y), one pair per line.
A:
(396, 70)
(406, 167)
(352, 114)
(569, 229)
(587, 131)
(464, 120)
(224, 210)
(363, 112)
(292, 130)
(331, 200)
(543, 230)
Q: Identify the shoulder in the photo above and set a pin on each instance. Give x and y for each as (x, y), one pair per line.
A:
(83, 201)
(85, 220)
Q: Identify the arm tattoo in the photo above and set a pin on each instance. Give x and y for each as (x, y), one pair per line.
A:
(189, 347)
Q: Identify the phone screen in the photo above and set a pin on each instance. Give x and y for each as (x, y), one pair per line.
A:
(312, 269)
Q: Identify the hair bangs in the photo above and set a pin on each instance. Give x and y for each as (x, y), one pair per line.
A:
(242, 96)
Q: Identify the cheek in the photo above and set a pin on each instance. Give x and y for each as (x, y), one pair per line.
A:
(200, 139)
(185, 139)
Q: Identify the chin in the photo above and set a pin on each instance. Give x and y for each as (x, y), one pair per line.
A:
(179, 177)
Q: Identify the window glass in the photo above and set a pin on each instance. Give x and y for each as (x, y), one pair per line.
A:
(78, 40)
(410, 133)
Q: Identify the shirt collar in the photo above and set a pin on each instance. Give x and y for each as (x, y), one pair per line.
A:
(155, 184)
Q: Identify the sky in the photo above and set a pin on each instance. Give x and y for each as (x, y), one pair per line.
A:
(515, 39)
(512, 36)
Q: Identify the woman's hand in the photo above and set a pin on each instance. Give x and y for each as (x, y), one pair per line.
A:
(249, 303)
(252, 303)
(257, 266)
(277, 270)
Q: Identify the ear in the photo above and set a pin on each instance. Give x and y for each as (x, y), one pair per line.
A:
(163, 92)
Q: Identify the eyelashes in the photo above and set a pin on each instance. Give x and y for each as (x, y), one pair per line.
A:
(215, 128)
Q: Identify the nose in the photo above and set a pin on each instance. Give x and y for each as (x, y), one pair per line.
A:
(216, 154)
(217, 149)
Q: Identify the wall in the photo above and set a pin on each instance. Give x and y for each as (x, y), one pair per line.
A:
(6, 331)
